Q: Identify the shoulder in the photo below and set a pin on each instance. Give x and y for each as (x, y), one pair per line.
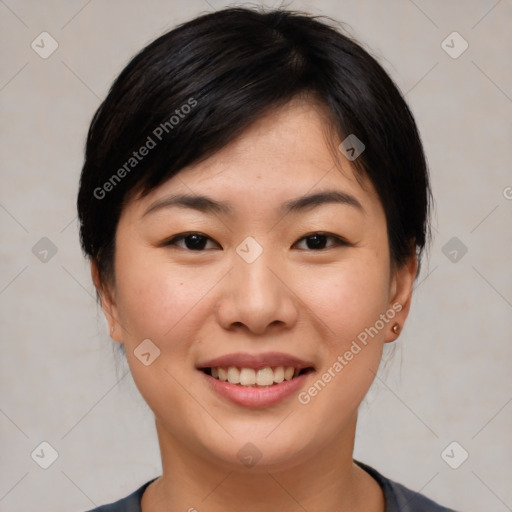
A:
(398, 497)
(401, 499)
(130, 503)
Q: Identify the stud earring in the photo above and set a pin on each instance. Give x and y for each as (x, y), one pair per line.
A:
(111, 329)
(396, 328)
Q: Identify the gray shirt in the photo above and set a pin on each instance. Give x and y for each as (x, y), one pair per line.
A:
(398, 498)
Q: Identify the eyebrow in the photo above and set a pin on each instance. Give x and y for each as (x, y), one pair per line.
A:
(207, 205)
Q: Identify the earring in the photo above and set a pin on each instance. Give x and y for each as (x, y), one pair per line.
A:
(111, 329)
(396, 328)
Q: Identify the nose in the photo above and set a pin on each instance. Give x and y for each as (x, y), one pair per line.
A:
(257, 296)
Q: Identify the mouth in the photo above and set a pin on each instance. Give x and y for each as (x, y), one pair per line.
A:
(255, 378)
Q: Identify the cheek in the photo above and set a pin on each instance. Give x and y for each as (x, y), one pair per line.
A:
(156, 299)
(351, 305)
(348, 297)
(159, 302)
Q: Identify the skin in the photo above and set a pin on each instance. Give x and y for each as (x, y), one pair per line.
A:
(294, 298)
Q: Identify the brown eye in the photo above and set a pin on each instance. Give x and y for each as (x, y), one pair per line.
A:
(317, 241)
(191, 241)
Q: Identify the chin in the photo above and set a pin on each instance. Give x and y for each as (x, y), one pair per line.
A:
(261, 454)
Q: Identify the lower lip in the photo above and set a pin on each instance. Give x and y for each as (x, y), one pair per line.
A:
(256, 396)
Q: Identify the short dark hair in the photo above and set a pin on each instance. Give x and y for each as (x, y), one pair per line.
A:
(194, 89)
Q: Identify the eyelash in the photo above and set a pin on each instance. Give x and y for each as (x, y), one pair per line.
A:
(337, 240)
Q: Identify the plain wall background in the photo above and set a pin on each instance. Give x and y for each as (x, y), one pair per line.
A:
(449, 379)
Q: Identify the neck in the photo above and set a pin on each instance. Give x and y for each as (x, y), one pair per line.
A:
(329, 482)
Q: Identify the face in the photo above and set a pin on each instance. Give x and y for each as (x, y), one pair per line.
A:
(308, 286)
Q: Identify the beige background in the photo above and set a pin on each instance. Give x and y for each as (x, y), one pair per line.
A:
(450, 377)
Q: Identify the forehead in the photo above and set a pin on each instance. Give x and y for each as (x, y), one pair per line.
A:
(290, 141)
(287, 153)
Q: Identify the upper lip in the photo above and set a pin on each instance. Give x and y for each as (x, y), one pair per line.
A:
(256, 361)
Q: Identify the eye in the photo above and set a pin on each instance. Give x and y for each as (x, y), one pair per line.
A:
(198, 241)
(192, 241)
(317, 241)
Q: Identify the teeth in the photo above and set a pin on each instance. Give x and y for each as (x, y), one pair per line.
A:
(233, 375)
(265, 377)
(279, 374)
(249, 377)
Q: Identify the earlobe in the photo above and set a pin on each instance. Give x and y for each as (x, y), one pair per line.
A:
(401, 295)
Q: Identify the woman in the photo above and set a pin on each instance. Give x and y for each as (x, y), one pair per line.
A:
(255, 204)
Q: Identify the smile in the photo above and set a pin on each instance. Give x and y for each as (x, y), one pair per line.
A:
(250, 377)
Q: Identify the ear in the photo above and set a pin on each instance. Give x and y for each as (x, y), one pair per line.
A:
(108, 304)
(401, 285)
